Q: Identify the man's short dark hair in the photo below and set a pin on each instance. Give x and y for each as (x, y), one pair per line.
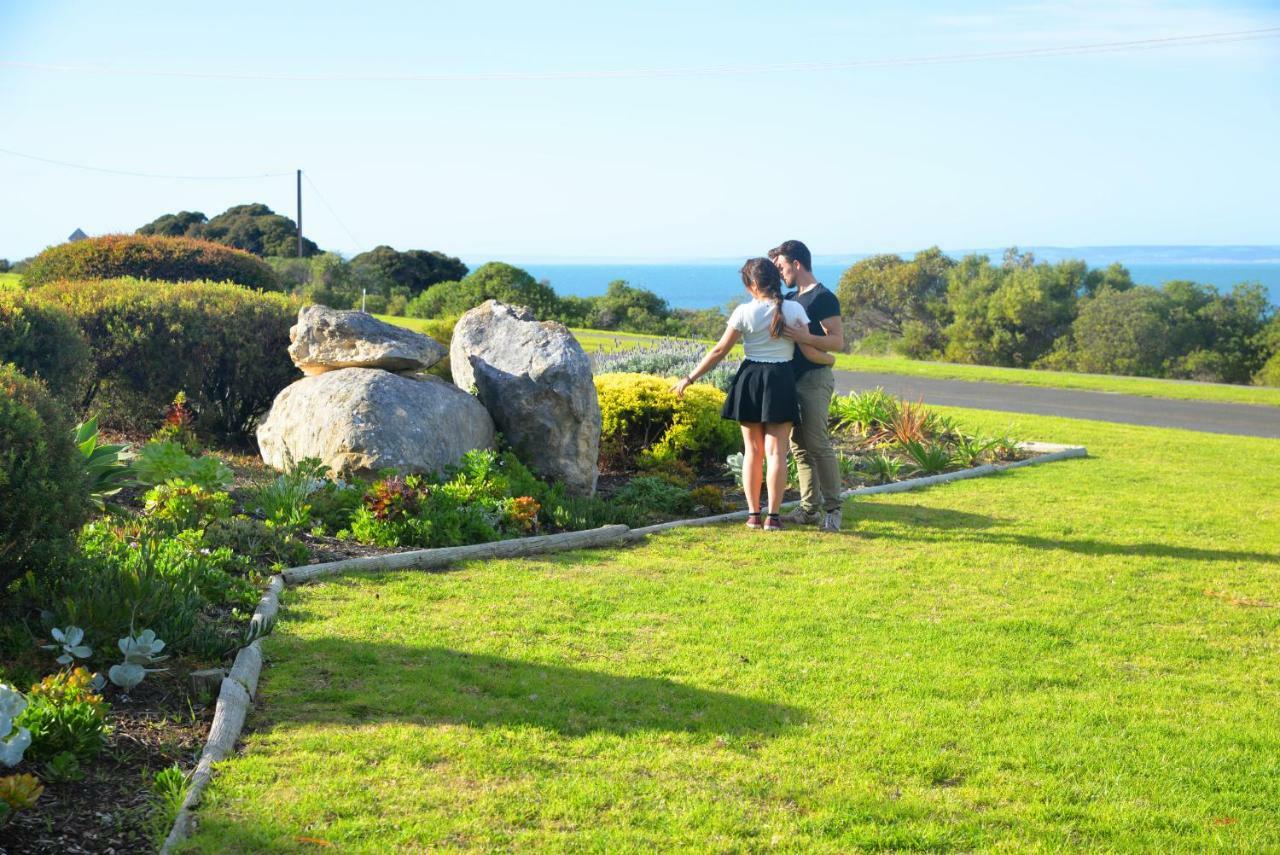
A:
(796, 251)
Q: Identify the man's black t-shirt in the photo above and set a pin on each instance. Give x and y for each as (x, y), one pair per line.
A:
(819, 304)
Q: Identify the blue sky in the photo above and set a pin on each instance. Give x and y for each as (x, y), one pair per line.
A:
(1143, 147)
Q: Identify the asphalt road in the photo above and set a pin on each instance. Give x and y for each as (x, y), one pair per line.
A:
(1239, 419)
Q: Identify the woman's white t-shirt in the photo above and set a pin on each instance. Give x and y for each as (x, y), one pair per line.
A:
(753, 320)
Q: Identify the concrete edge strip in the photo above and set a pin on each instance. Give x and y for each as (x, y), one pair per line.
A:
(241, 684)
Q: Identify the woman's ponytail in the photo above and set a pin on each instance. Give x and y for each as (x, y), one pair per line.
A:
(763, 278)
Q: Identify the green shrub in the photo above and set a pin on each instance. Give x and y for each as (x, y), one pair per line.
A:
(167, 259)
(654, 497)
(129, 576)
(225, 346)
(64, 714)
(412, 512)
(259, 541)
(44, 342)
(160, 462)
(643, 420)
(43, 490)
(180, 505)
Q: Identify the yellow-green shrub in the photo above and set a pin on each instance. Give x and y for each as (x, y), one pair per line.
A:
(643, 422)
(44, 342)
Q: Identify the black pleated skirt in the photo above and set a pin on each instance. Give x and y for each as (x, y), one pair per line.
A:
(763, 392)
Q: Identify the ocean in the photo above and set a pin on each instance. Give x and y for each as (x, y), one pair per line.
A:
(699, 286)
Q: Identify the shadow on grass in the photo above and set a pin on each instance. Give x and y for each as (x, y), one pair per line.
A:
(347, 683)
(934, 525)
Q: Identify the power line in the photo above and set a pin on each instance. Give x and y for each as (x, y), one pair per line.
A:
(133, 174)
(325, 202)
(678, 71)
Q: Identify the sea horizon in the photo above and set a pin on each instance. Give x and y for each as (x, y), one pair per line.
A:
(710, 282)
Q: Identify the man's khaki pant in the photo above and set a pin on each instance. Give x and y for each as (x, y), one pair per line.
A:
(810, 443)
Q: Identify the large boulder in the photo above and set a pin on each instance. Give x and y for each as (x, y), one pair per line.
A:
(360, 420)
(535, 380)
(327, 339)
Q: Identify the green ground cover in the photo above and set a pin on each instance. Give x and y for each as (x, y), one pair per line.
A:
(1076, 656)
(1145, 387)
(10, 280)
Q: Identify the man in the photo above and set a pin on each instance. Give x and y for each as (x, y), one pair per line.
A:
(816, 462)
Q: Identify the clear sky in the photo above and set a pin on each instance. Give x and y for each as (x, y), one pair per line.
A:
(1164, 146)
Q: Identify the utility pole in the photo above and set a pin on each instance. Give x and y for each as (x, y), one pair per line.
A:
(299, 213)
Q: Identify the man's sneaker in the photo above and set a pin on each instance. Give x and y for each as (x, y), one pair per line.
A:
(753, 519)
(831, 521)
(799, 516)
(773, 523)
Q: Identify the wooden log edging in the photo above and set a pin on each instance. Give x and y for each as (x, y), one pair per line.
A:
(241, 684)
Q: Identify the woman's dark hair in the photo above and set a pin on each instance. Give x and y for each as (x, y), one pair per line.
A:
(762, 277)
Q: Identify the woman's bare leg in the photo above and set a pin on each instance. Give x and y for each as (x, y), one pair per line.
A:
(752, 455)
(777, 438)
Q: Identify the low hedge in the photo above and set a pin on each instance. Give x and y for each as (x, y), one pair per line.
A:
(167, 259)
(43, 488)
(44, 342)
(644, 423)
(224, 346)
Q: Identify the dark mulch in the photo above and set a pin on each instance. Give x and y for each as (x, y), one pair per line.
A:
(111, 810)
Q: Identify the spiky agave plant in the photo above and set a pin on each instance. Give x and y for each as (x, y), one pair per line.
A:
(929, 458)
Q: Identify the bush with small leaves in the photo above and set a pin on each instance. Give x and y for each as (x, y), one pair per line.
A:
(64, 713)
(179, 505)
(166, 259)
(43, 491)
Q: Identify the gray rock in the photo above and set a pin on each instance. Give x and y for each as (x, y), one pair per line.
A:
(360, 420)
(327, 339)
(536, 382)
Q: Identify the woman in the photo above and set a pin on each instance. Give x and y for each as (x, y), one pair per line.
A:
(763, 396)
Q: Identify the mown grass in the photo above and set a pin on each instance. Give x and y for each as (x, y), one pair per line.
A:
(1145, 387)
(10, 280)
(1076, 656)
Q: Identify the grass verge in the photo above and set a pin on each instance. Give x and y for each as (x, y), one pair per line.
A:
(1080, 655)
(10, 280)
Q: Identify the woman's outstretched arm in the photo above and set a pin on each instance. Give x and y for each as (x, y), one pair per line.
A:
(711, 360)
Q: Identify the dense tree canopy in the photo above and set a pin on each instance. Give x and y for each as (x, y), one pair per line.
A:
(415, 270)
(254, 228)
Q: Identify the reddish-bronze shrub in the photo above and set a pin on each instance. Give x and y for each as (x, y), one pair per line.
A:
(167, 259)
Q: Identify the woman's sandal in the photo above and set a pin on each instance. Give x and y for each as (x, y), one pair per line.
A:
(753, 519)
(773, 523)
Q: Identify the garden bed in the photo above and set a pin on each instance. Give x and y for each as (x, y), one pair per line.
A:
(214, 525)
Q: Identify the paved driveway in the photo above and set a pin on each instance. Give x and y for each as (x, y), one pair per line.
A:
(1241, 419)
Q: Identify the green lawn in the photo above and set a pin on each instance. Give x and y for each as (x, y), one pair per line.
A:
(10, 280)
(1142, 386)
(1076, 656)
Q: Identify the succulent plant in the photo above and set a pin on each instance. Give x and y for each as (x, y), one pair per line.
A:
(68, 641)
(12, 744)
(20, 792)
(139, 651)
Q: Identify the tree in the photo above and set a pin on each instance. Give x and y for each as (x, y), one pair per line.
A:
(493, 281)
(254, 228)
(1010, 315)
(181, 224)
(635, 309)
(414, 269)
(883, 292)
(1122, 332)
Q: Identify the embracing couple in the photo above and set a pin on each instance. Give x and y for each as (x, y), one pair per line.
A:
(782, 393)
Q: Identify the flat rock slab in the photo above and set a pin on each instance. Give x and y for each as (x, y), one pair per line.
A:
(327, 339)
(360, 420)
